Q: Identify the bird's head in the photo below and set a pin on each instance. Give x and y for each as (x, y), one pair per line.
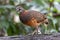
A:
(19, 9)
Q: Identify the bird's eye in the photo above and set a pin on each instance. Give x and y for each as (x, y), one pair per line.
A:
(19, 9)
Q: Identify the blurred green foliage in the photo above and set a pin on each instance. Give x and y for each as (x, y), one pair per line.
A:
(8, 13)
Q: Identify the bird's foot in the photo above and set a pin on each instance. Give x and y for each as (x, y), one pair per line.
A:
(35, 33)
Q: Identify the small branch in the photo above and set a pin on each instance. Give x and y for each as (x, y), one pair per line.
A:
(55, 15)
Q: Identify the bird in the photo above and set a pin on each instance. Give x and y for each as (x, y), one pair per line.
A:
(31, 18)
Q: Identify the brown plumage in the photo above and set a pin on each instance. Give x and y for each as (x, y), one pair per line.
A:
(31, 18)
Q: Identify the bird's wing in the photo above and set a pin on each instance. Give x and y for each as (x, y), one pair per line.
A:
(32, 14)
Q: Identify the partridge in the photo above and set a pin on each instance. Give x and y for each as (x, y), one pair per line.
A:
(31, 18)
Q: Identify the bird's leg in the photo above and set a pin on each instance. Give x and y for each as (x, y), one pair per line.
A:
(37, 31)
(34, 32)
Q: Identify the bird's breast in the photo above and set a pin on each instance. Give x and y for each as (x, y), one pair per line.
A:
(32, 23)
